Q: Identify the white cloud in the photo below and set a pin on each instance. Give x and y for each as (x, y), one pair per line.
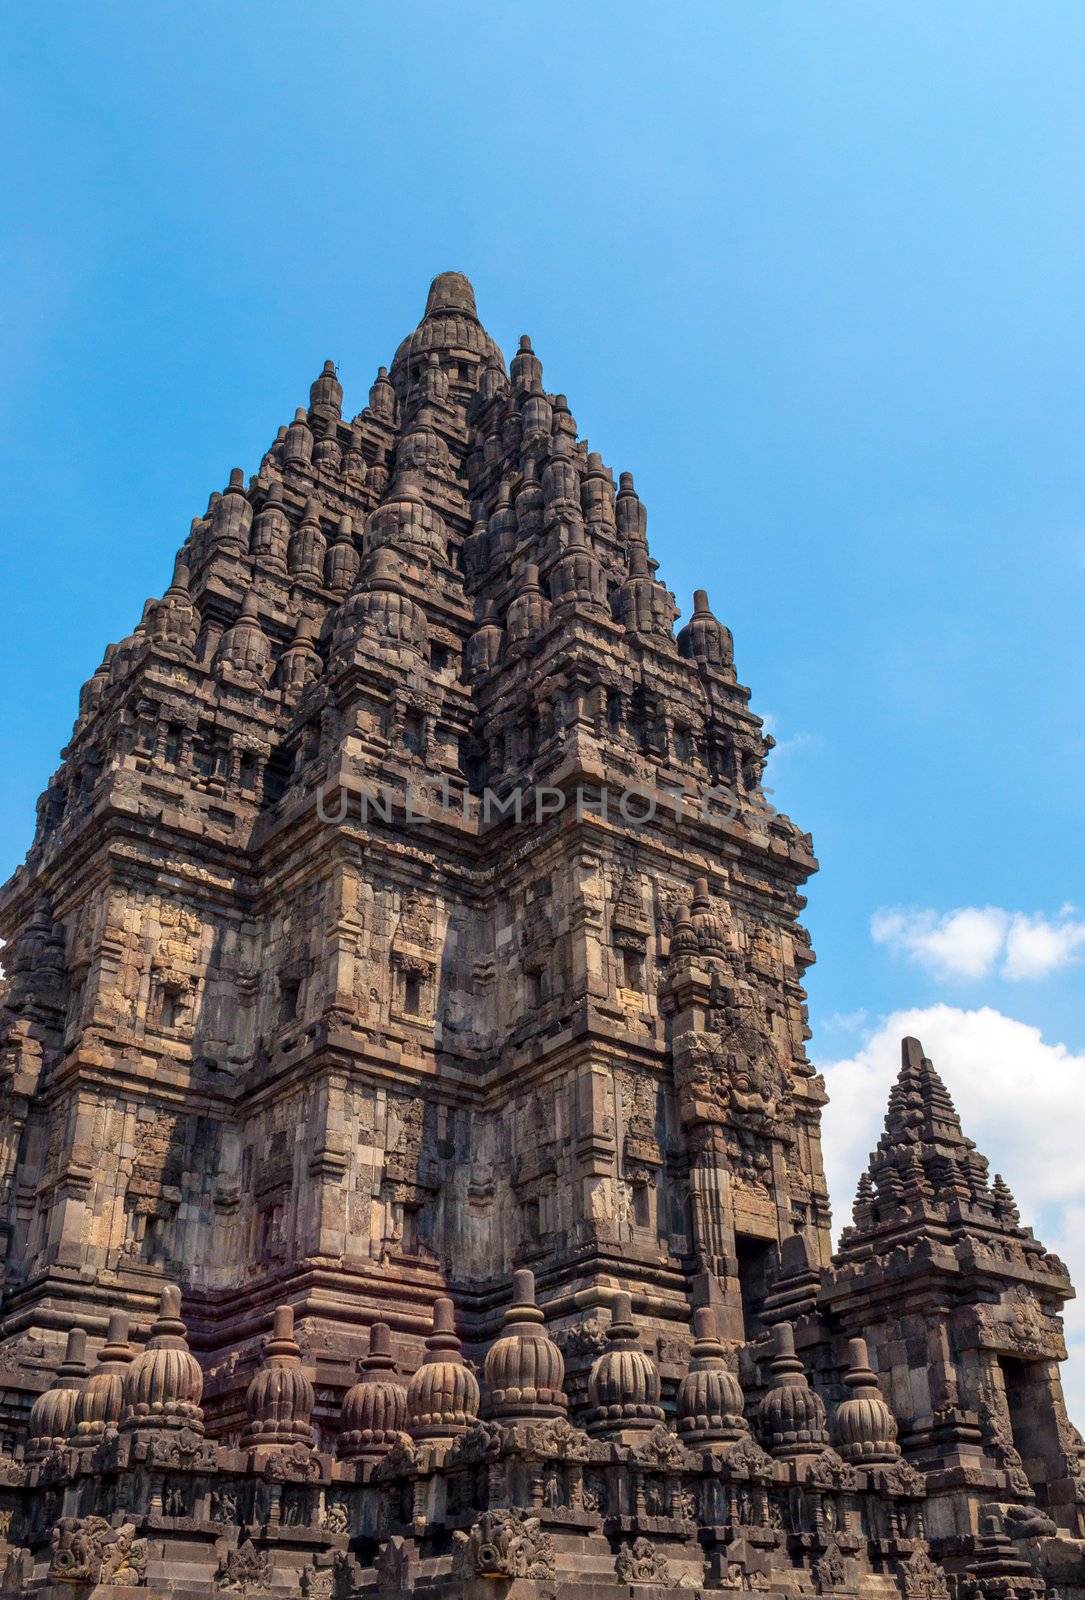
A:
(970, 941)
(1020, 1098)
(1035, 947)
(961, 944)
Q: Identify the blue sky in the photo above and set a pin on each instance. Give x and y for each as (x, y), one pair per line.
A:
(812, 271)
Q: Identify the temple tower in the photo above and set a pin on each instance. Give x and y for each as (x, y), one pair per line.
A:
(407, 908)
(410, 1170)
(961, 1305)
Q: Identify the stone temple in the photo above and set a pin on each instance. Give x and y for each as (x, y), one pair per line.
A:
(410, 1177)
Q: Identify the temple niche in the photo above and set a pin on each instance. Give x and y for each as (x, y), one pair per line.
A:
(410, 1170)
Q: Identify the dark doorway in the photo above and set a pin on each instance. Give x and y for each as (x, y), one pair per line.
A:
(756, 1259)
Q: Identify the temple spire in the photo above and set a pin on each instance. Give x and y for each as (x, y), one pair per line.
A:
(920, 1106)
(923, 1149)
(926, 1176)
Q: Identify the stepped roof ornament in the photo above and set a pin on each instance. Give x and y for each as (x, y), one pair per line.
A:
(342, 560)
(483, 648)
(791, 1417)
(630, 513)
(684, 940)
(644, 605)
(280, 1398)
(704, 638)
(326, 393)
(443, 1395)
(624, 1387)
(379, 607)
(525, 369)
(101, 1399)
(524, 1368)
(373, 1417)
(52, 1416)
(174, 623)
(163, 1386)
(245, 648)
(710, 1402)
(449, 325)
(299, 441)
(866, 1428)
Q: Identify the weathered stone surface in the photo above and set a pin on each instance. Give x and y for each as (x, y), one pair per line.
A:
(407, 912)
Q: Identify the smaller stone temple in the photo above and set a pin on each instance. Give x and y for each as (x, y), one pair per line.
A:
(410, 1162)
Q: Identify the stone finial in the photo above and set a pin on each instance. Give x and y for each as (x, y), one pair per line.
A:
(326, 392)
(920, 1100)
(422, 449)
(271, 461)
(301, 662)
(563, 426)
(374, 1411)
(380, 608)
(52, 1415)
(524, 1368)
(93, 691)
(529, 502)
(923, 1157)
(342, 561)
(179, 584)
(525, 369)
(642, 605)
(597, 494)
(864, 1195)
(629, 512)
(382, 397)
(451, 291)
(707, 924)
(298, 444)
(271, 530)
(577, 579)
(101, 1399)
(492, 380)
(1005, 1206)
(280, 1398)
(704, 638)
(443, 1395)
(431, 388)
(501, 523)
(405, 521)
(174, 623)
(354, 463)
(245, 647)
(528, 612)
(231, 518)
(684, 941)
(560, 484)
(163, 1385)
(791, 1417)
(535, 425)
(307, 548)
(483, 648)
(476, 550)
(865, 1426)
(624, 1386)
(710, 1400)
